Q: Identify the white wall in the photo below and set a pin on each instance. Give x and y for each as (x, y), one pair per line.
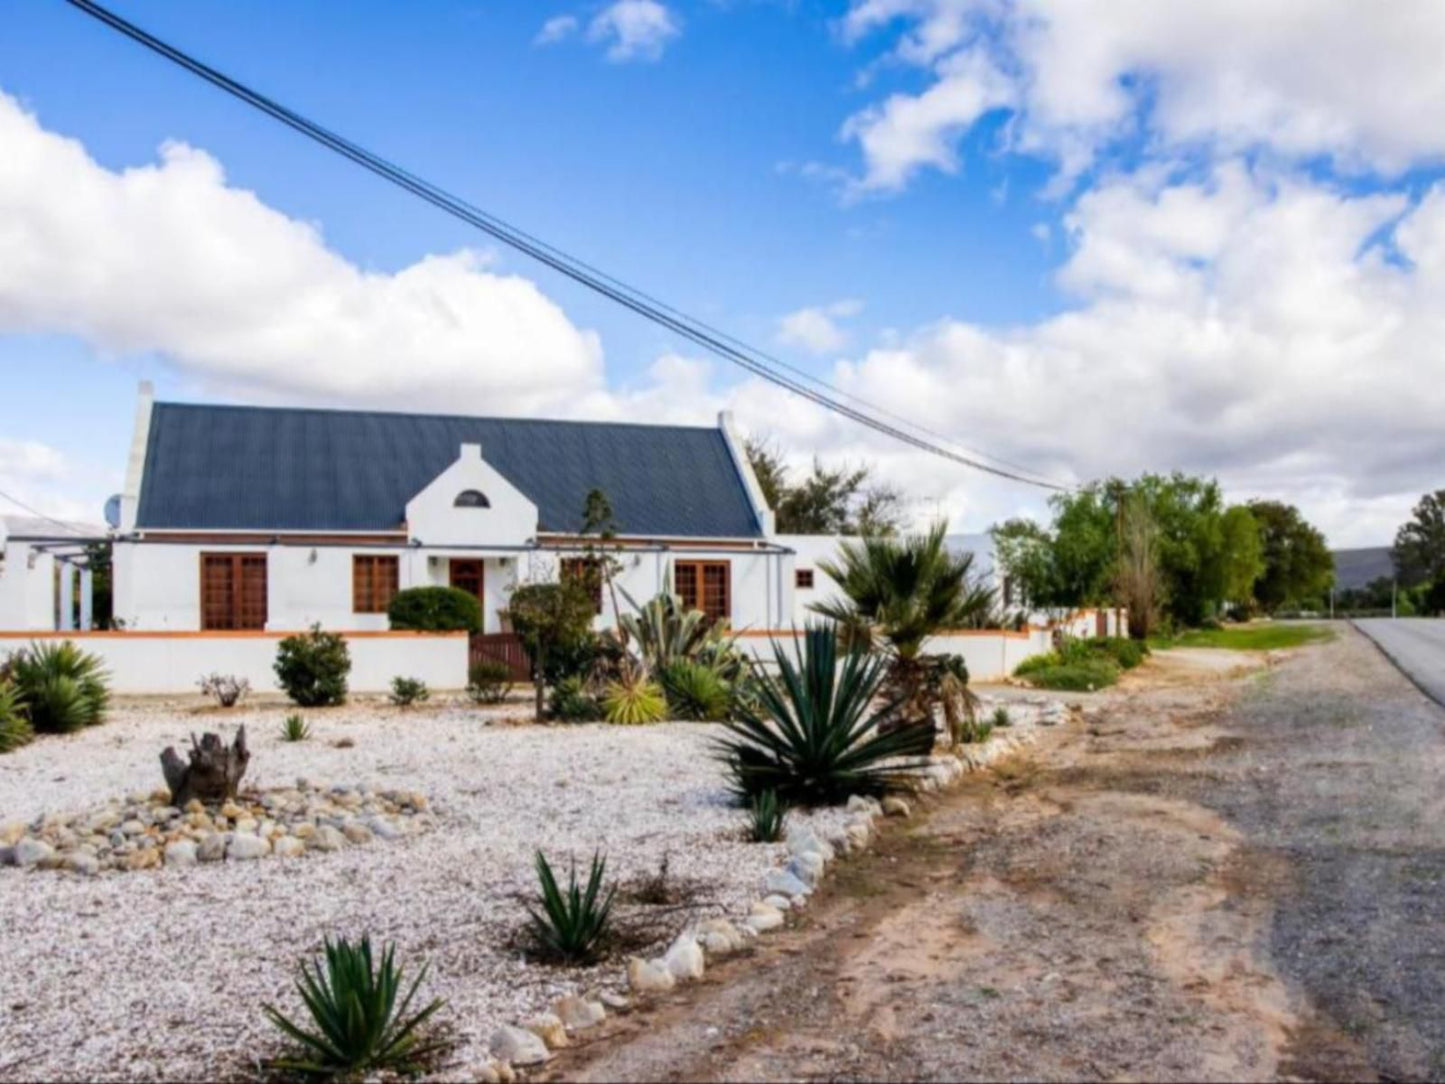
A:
(433, 518)
(172, 663)
(809, 549)
(27, 595)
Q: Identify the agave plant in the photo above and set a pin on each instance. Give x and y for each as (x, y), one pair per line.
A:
(633, 699)
(814, 734)
(63, 688)
(295, 729)
(666, 631)
(766, 817)
(695, 691)
(572, 925)
(358, 1025)
(15, 729)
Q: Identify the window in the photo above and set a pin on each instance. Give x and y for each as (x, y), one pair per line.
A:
(705, 586)
(233, 590)
(588, 572)
(471, 498)
(373, 583)
(803, 579)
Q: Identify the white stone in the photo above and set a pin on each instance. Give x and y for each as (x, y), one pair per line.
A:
(549, 1028)
(32, 852)
(895, 806)
(648, 978)
(181, 852)
(244, 847)
(326, 838)
(518, 1046)
(212, 848)
(685, 959)
(784, 883)
(808, 843)
(763, 921)
(11, 832)
(719, 937)
(82, 862)
(807, 868)
(857, 803)
(615, 1002)
(288, 847)
(578, 1013)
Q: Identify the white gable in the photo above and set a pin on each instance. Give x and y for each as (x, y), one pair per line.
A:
(470, 504)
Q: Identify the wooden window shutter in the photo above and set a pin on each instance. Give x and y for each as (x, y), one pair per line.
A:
(233, 591)
(374, 582)
(705, 586)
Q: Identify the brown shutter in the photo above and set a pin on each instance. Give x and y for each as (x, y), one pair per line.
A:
(233, 591)
(705, 586)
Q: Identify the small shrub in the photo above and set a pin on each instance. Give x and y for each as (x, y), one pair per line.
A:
(766, 817)
(62, 688)
(489, 681)
(572, 703)
(357, 1025)
(1001, 718)
(295, 729)
(572, 926)
(312, 668)
(15, 729)
(226, 689)
(435, 609)
(634, 700)
(408, 691)
(1081, 677)
(657, 889)
(1127, 653)
(980, 730)
(695, 691)
(1038, 662)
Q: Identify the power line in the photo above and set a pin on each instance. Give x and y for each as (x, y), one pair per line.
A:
(718, 343)
(18, 503)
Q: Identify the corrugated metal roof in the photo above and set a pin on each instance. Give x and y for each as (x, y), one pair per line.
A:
(262, 468)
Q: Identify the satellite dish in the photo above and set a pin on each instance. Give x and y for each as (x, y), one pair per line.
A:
(112, 511)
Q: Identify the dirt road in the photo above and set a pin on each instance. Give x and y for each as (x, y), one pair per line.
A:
(1238, 879)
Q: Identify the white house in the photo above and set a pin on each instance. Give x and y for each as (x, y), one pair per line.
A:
(261, 518)
(45, 577)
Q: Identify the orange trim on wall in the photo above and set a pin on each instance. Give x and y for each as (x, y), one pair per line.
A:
(215, 634)
(1011, 634)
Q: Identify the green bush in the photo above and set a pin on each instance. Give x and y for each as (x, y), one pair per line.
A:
(572, 703)
(1127, 653)
(572, 925)
(312, 667)
(357, 1026)
(435, 609)
(1001, 718)
(489, 681)
(695, 691)
(295, 729)
(1034, 663)
(407, 691)
(633, 700)
(766, 817)
(15, 729)
(62, 688)
(814, 736)
(1097, 673)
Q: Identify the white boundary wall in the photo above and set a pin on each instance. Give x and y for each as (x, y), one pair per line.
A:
(164, 663)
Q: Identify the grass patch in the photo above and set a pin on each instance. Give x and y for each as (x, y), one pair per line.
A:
(1262, 637)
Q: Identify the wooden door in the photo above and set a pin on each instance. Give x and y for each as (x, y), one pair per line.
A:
(468, 575)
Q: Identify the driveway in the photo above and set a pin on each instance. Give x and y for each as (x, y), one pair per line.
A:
(1417, 646)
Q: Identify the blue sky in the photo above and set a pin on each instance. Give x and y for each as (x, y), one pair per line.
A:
(982, 246)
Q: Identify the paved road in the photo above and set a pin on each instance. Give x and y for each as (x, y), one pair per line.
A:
(1417, 646)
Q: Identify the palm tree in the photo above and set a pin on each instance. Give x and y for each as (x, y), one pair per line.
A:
(901, 592)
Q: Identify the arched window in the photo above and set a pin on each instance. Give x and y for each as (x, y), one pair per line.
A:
(472, 498)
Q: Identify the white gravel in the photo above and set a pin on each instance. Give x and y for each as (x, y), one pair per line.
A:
(162, 974)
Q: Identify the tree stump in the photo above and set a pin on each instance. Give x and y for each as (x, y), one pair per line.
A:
(214, 771)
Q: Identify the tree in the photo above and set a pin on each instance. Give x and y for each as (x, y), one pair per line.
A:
(1024, 551)
(1136, 581)
(550, 618)
(1419, 552)
(1298, 565)
(842, 500)
(1242, 557)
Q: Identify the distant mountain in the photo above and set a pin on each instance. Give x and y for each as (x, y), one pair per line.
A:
(1361, 567)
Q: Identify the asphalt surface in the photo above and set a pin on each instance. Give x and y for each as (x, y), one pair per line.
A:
(1416, 645)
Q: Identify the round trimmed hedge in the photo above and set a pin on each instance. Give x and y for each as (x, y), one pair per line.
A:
(435, 609)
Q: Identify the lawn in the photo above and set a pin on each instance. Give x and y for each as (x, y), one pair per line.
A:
(1260, 637)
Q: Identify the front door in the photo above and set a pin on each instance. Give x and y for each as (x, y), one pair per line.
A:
(466, 573)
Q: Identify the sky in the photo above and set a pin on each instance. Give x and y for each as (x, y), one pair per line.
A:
(1089, 237)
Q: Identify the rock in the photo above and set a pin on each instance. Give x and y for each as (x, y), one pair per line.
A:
(357, 833)
(132, 828)
(578, 1013)
(212, 848)
(288, 847)
(244, 847)
(778, 903)
(304, 831)
(615, 1002)
(808, 868)
(685, 959)
(82, 862)
(232, 811)
(195, 805)
(487, 1073)
(103, 822)
(181, 853)
(806, 842)
(648, 978)
(763, 920)
(857, 803)
(326, 838)
(145, 858)
(784, 883)
(518, 1046)
(895, 806)
(549, 1028)
(11, 832)
(30, 852)
(382, 828)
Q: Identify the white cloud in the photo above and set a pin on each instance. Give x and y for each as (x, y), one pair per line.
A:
(816, 329)
(1299, 78)
(167, 257)
(558, 28)
(43, 480)
(634, 29)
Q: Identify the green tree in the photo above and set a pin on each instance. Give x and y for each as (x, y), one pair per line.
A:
(550, 618)
(1298, 565)
(1024, 551)
(843, 500)
(1419, 551)
(1137, 577)
(1242, 557)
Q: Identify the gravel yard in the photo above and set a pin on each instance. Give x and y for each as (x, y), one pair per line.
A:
(162, 973)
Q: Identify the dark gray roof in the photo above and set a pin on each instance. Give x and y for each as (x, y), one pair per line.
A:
(1362, 567)
(261, 468)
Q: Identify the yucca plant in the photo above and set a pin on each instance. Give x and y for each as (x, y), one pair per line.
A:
(358, 1026)
(572, 925)
(15, 728)
(766, 817)
(695, 691)
(295, 729)
(1001, 717)
(63, 688)
(633, 700)
(813, 736)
